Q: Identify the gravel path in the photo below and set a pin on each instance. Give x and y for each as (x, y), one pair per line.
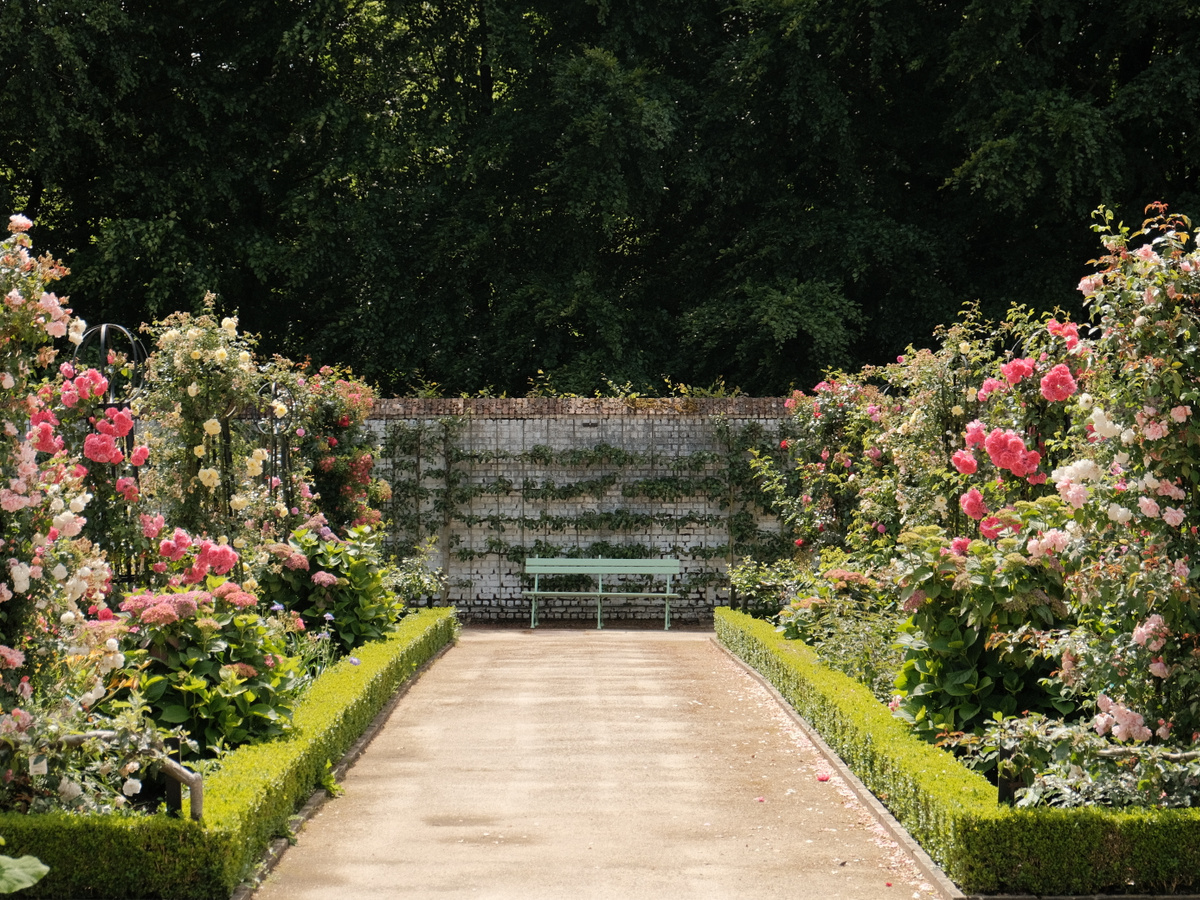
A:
(592, 764)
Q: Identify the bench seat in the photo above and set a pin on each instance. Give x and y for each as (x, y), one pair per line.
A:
(539, 566)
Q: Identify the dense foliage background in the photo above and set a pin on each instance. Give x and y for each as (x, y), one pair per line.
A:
(469, 192)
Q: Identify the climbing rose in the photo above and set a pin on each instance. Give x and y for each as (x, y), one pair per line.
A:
(991, 527)
(964, 461)
(1016, 370)
(972, 504)
(1058, 384)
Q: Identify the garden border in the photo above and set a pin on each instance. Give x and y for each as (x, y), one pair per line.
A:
(985, 848)
(249, 800)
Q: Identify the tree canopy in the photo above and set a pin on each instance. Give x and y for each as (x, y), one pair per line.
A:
(471, 192)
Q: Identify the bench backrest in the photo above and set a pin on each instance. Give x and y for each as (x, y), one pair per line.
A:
(543, 565)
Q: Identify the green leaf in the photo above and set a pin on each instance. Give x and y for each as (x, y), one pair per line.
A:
(175, 714)
(18, 874)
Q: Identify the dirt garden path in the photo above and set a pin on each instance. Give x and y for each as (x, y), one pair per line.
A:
(567, 763)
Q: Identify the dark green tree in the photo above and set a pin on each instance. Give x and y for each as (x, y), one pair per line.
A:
(470, 192)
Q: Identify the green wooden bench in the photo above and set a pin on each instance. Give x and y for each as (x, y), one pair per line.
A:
(539, 566)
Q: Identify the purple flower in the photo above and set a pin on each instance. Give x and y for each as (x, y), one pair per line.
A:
(355, 661)
(276, 607)
(328, 617)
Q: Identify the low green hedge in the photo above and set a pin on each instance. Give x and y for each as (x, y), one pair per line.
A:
(982, 846)
(246, 803)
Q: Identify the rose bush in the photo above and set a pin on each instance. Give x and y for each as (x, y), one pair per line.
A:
(1043, 484)
(177, 478)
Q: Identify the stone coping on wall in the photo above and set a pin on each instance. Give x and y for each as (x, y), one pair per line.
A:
(544, 407)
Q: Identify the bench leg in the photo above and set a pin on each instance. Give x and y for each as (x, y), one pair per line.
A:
(667, 626)
(599, 613)
(533, 612)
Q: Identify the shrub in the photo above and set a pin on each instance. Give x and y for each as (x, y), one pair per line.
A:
(982, 846)
(336, 586)
(208, 662)
(248, 800)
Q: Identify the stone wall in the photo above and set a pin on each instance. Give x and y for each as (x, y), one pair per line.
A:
(496, 480)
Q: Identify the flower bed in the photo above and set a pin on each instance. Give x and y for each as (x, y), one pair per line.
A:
(247, 801)
(953, 813)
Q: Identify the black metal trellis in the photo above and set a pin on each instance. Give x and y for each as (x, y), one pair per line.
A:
(126, 383)
(276, 431)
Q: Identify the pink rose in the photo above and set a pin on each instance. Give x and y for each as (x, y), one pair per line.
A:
(972, 504)
(1058, 383)
(964, 461)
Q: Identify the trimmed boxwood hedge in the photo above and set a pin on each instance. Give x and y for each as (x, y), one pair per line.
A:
(246, 803)
(983, 846)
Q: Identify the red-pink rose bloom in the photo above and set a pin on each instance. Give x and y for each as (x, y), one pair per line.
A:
(1068, 331)
(102, 448)
(151, 526)
(990, 386)
(959, 546)
(964, 461)
(991, 527)
(972, 504)
(139, 455)
(1007, 450)
(127, 488)
(1017, 370)
(1058, 384)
